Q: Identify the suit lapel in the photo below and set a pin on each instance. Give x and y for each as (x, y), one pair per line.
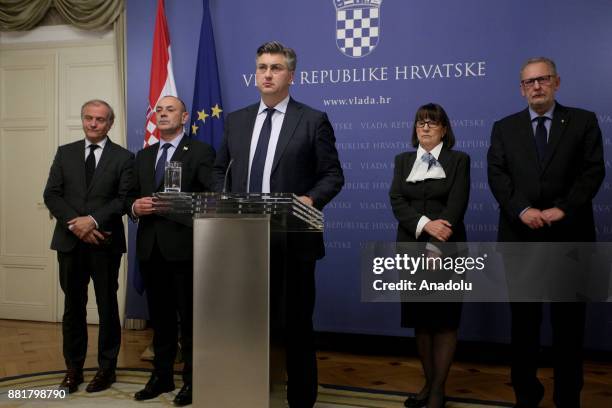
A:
(182, 149)
(290, 122)
(244, 145)
(79, 159)
(181, 153)
(557, 128)
(444, 160)
(148, 164)
(526, 139)
(409, 163)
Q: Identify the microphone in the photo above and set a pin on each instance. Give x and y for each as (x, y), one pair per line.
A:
(229, 166)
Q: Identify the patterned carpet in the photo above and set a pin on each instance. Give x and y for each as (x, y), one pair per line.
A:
(129, 381)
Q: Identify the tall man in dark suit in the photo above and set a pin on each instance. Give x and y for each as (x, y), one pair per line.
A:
(164, 247)
(545, 165)
(280, 145)
(86, 191)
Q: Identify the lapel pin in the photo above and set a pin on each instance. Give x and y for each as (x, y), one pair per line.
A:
(185, 148)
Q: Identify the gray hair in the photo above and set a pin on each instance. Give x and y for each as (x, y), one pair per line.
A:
(535, 60)
(99, 102)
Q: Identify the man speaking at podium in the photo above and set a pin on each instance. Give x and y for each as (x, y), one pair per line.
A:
(281, 145)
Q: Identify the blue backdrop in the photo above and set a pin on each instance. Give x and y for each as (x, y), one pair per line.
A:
(464, 55)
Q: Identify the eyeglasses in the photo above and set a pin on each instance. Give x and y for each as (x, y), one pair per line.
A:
(433, 124)
(274, 68)
(542, 80)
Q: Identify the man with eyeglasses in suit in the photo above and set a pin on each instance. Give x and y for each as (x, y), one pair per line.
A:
(545, 165)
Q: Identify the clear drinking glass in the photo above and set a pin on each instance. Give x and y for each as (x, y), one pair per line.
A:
(172, 177)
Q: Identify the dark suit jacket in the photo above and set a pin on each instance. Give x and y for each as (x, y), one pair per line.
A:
(173, 238)
(305, 162)
(568, 178)
(434, 198)
(67, 196)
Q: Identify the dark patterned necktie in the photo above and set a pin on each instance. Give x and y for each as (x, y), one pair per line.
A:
(541, 137)
(259, 159)
(90, 164)
(160, 168)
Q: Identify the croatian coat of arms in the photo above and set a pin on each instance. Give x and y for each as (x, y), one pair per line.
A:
(357, 26)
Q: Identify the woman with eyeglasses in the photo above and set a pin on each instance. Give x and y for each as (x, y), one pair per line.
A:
(429, 196)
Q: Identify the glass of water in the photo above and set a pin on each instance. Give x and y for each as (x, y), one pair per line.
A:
(172, 177)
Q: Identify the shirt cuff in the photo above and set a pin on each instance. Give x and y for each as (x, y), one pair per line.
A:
(523, 212)
(420, 225)
(95, 222)
(432, 248)
(133, 214)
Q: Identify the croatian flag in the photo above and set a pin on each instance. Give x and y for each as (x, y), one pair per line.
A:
(162, 77)
(161, 84)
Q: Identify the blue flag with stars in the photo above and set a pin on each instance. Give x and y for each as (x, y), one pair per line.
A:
(206, 115)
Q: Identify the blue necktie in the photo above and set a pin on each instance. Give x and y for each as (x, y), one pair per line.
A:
(160, 168)
(541, 137)
(429, 159)
(259, 159)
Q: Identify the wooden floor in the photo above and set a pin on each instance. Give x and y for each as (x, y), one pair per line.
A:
(31, 347)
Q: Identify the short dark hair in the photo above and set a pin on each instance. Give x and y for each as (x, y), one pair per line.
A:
(275, 47)
(433, 111)
(99, 102)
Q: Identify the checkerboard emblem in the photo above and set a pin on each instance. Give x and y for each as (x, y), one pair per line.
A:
(357, 26)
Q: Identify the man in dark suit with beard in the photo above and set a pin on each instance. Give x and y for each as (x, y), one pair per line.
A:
(164, 247)
(86, 192)
(545, 165)
(280, 145)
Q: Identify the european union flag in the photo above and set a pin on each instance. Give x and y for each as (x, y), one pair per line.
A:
(206, 115)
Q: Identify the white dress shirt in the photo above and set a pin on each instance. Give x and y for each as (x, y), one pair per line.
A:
(277, 123)
(421, 170)
(97, 152)
(97, 155)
